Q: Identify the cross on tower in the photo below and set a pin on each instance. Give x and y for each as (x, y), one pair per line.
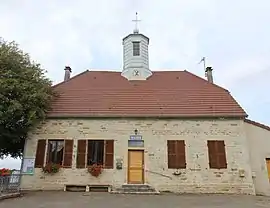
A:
(136, 30)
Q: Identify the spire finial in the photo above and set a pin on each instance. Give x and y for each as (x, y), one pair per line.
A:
(136, 30)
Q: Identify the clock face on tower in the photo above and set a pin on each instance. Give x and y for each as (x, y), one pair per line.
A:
(136, 72)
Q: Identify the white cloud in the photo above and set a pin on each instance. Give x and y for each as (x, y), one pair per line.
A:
(10, 163)
(85, 34)
(243, 69)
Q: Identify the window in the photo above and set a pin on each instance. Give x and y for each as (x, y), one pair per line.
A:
(176, 154)
(91, 152)
(136, 48)
(217, 155)
(58, 151)
(55, 151)
(95, 153)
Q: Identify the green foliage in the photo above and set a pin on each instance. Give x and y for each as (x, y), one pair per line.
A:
(51, 168)
(25, 97)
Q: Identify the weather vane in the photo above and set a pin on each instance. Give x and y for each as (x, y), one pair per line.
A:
(136, 30)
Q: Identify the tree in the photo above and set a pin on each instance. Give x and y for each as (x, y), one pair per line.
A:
(25, 97)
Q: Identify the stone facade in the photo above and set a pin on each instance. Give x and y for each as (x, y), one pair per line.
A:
(196, 178)
(259, 143)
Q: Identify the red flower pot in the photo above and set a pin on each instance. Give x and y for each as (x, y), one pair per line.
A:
(95, 170)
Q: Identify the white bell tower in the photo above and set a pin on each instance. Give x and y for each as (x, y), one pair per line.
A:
(135, 55)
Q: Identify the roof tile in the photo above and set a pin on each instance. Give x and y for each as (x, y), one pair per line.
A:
(165, 93)
(257, 124)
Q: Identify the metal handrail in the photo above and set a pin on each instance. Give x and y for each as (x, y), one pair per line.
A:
(157, 173)
(10, 183)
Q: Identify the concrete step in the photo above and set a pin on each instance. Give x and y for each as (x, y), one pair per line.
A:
(135, 189)
(129, 190)
(139, 193)
(136, 186)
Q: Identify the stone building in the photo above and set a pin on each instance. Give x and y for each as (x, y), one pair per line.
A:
(171, 130)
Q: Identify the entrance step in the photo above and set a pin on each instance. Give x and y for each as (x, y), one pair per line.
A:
(135, 189)
(87, 188)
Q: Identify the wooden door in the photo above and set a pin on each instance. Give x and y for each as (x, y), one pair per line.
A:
(268, 167)
(135, 166)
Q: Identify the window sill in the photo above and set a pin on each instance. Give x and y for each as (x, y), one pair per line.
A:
(104, 168)
(183, 168)
(218, 168)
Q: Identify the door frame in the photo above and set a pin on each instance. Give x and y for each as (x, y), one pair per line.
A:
(267, 160)
(143, 171)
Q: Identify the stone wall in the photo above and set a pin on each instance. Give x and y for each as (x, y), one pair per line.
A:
(196, 178)
(259, 142)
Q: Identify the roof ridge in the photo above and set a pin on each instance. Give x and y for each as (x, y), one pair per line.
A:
(74, 77)
(198, 77)
(215, 85)
(100, 70)
(255, 123)
(238, 104)
(169, 70)
(112, 70)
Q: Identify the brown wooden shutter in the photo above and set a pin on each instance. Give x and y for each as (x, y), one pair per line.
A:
(68, 154)
(109, 152)
(40, 153)
(213, 163)
(171, 147)
(180, 154)
(221, 154)
(217, 154)
(81, 153)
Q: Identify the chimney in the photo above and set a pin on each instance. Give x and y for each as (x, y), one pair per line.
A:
(67, 73)
(208, 74)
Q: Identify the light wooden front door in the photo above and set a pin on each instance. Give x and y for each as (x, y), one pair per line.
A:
(268, 167)
(135, 166)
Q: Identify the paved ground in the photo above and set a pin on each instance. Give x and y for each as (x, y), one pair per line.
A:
(100, 200)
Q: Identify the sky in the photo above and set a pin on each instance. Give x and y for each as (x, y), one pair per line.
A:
(87, 34)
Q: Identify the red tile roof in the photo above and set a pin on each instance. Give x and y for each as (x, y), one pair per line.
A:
(164, 94)
(257, 124)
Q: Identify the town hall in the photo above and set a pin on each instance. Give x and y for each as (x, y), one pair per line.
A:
(141, 130)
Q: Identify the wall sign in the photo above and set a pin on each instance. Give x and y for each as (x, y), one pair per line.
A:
(135, 143)
(28, 166)
(135, 137)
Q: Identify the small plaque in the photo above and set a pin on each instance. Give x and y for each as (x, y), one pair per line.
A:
(135, 137)
(135, 143)
(28, 166)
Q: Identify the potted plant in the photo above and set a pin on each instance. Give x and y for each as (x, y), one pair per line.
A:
(95, 169)
(51, 168)
(5, 172)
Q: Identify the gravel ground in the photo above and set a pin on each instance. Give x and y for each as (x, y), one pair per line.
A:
(100, 200)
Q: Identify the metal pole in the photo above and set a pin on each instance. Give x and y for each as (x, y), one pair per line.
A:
(21, 169)
(204, 64)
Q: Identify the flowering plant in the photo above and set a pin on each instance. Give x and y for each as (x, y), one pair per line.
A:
(5, 172)
(95, 169)
(51, 168)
